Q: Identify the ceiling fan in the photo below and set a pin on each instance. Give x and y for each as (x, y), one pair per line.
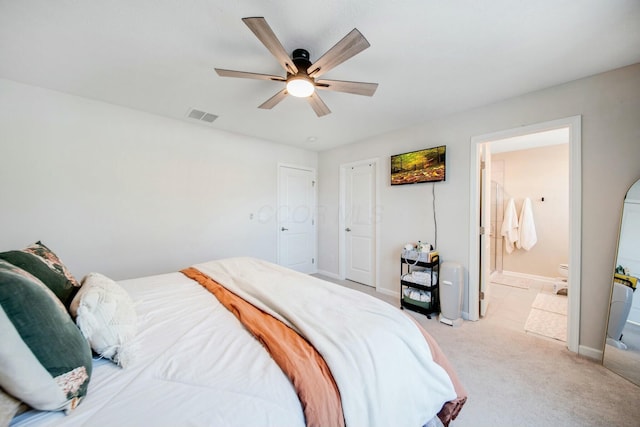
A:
(301, 79)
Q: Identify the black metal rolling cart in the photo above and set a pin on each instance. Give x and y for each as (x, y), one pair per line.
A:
(428, 296)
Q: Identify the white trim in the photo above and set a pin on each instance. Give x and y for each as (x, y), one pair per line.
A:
(328, 274)
(575, 214)
(341, 224)
(575, 232)
(591, 353)
(545, 279)
(388, 292)
(474, 233)
(314, 268)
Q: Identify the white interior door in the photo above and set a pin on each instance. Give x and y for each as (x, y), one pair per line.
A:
(359, 223)
(485, 227)
(296, 219)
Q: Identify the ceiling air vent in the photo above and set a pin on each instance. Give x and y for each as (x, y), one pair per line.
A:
(201, 116)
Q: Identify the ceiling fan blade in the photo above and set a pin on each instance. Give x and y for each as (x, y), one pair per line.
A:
(350, 45)
(243, 74)
(274, 100)
(357, 88)
(265, 34)
(318, 105)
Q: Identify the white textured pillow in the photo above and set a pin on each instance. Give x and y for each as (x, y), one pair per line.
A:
(106, 315)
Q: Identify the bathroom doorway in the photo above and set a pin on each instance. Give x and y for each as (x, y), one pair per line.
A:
(530, 171)
(573, 124)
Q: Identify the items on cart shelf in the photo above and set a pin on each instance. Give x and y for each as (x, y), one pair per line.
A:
(419, 280)
(421, 277)
(417, 256)
(417, 294)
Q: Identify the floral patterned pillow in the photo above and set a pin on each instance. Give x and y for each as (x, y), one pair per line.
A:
(40, 261)
(46, 362)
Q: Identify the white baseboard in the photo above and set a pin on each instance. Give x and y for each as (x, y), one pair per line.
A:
(388, 292)
(328, 274)
(465, 315)
(590, 352)
(530, 276)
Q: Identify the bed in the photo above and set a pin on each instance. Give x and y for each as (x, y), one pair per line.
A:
(204, 347)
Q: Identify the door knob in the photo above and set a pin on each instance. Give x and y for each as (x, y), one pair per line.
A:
(347, 229)
(284, 229)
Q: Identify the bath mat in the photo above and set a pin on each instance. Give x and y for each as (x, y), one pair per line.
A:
(551, 302)
(547, 323)
(516, 282)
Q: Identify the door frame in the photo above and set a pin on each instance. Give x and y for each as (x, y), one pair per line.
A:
(485, 215)
(342, 264)
(574, 124)
(314, 210)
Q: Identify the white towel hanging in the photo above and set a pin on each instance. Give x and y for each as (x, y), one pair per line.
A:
(509, 228)
(527, 233)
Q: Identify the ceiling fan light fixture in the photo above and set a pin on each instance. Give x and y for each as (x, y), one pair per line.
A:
(301, 87)
(301, 75)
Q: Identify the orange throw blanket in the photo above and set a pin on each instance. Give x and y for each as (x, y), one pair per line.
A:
(299, 360)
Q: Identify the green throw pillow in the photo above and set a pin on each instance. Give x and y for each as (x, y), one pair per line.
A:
(44, 359)
(40, 261)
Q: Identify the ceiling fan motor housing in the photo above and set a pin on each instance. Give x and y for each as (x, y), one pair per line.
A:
(300, 54)
(300, 57)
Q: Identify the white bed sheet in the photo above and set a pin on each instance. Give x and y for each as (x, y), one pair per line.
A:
(196, 366)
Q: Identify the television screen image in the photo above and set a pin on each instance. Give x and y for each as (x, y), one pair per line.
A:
(426, 165)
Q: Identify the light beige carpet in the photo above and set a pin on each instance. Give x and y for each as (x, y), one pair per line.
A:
(515, 378)
(548, 316)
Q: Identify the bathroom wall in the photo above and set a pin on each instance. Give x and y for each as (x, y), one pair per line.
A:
(537, 173)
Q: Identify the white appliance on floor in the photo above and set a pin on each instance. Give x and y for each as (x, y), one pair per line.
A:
(621, 299)
(451, 283)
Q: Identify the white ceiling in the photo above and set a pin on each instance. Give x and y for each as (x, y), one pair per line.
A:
(430, 58)
(532, 140)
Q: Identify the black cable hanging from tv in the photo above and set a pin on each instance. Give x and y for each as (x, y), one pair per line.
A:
(435, 222)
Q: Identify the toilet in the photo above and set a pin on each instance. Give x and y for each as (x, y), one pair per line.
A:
(561, 284)
(621, 298)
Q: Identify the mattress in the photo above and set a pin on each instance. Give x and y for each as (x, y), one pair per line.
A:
(196, 365)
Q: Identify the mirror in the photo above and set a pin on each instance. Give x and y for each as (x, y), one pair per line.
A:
(622, 348)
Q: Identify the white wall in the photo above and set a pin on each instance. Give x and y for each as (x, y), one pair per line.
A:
(610, 107)
(127, 193)
(537, 173)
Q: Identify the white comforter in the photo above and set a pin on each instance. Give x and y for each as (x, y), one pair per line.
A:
(378, 357)
(196, 366)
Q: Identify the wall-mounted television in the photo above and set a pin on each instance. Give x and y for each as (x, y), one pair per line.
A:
(426, 165)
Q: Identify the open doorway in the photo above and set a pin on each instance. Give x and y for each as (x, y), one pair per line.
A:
(479, 272)
(529, 233)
